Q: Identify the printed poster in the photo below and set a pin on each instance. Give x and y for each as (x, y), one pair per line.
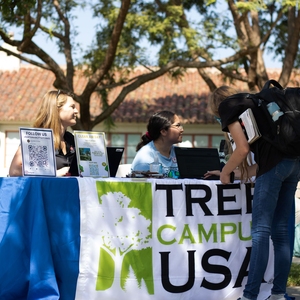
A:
(165, 239)
(91, 154)
(38, 155)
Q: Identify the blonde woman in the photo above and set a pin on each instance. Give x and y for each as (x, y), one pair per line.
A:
(58, 111)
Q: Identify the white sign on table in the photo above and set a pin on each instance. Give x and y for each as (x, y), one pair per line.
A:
(38, 155)
(91, 153)
(165, 239)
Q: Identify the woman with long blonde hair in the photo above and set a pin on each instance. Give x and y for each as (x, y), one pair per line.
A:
(57, 112)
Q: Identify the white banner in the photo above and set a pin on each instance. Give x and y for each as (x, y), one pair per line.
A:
(165, 239)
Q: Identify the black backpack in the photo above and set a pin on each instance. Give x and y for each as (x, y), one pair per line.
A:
(285, 131)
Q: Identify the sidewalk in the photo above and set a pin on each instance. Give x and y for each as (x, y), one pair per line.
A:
(294, 291)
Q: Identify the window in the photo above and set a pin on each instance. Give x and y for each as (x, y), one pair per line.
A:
(133, 140)
(130, 141)
(201, 141)
(216, 139)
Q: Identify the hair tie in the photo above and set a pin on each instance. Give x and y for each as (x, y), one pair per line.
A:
(148, 135)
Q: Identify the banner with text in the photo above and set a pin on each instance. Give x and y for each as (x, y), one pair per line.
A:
(165, 239)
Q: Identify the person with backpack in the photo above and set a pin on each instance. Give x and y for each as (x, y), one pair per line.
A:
(276, 182)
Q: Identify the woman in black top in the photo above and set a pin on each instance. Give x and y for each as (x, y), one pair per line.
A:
(276, 181)
(58, 111)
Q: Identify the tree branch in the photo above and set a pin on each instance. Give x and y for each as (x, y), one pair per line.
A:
(35, 63)
(268, 33)
(29, 33)
(67, 45)
(151, 76)
(111, 50)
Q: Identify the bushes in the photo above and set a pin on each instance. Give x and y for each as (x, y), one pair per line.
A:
(294, 276)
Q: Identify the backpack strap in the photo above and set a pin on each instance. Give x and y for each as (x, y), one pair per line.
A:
(273, 82)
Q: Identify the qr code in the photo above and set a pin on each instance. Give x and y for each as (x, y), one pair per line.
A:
(94, 169)
(38, 156)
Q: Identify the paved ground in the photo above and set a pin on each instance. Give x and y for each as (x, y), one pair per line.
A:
(295, 290)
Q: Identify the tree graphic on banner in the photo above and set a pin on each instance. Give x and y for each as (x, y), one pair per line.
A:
(120, 237)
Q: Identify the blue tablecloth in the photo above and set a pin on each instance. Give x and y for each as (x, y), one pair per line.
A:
(39, 238)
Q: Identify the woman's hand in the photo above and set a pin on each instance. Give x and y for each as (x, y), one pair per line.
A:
(225, 177)
(63, 172)
(211, 173)
(238, 155)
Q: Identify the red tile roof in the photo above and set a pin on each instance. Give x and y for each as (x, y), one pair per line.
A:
(21, 93)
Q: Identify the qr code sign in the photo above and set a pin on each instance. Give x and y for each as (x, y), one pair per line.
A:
(94, 169)
(38, 156)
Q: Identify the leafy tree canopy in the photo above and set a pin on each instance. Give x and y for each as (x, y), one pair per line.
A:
(187, 34)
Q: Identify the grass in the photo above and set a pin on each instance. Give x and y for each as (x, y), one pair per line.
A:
(294, 276)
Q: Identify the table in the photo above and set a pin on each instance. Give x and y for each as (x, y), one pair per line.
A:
(39, 238)
(49, 237)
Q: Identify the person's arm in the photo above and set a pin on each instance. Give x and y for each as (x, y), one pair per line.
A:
(251, 171)
(237, 173)
(239, 154)
(15, 168)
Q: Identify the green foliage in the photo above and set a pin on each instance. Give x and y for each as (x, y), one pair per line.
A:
(280, 33)
(189, 30)
(12, 11)
(254, 5)
(294, 276)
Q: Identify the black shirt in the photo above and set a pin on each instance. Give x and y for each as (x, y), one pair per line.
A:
(69, 159)
(265, 155)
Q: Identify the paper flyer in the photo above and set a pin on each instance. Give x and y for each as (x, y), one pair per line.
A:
(91, 153)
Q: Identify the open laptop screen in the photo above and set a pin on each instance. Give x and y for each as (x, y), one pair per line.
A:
(195, 162)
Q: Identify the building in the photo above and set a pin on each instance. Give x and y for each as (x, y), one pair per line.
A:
(23, 86)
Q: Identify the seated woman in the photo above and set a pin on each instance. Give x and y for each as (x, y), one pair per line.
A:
(157, 145)
(58, 111)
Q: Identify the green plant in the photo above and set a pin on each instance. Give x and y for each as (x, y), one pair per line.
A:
(294, 276)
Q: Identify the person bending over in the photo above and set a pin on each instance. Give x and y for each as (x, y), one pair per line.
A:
(276, 181)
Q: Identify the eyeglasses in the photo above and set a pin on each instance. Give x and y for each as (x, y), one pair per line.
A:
(218, 120)
(177, 126)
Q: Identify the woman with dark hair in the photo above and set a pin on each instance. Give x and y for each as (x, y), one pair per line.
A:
(157, 144)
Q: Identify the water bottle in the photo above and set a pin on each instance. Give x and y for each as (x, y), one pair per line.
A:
(274, 111)
(156, 167)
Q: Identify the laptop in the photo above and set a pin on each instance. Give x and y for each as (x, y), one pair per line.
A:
(114, 156)
(195, 162)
